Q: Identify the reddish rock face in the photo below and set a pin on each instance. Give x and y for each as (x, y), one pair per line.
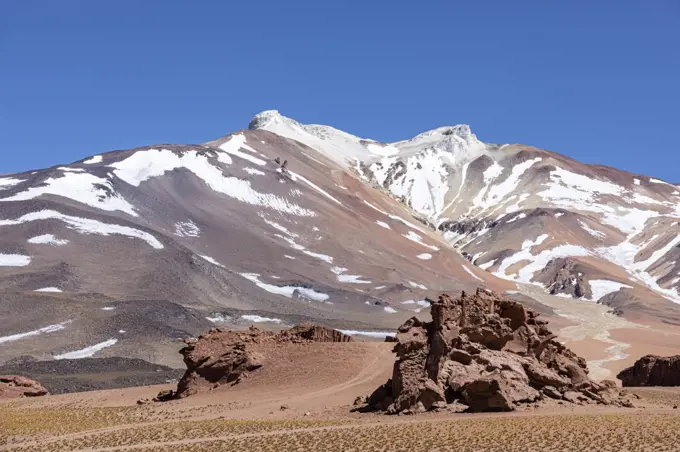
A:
(226, 357)
(652, 370)
(488, 353)
(12, 386)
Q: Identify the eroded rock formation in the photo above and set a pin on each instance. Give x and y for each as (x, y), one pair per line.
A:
(488, 353)
(12, 386)
(226, 357)
(652, 370)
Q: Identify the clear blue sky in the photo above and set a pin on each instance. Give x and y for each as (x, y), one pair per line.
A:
(597, 80)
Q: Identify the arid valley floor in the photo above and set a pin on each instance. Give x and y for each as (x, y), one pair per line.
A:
(303, 401)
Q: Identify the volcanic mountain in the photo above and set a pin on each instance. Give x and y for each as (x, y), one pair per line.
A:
(127, 253)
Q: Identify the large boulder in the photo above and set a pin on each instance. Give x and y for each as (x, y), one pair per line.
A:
(652, 370)
(13, 386)
(227, 357)
(488, 353)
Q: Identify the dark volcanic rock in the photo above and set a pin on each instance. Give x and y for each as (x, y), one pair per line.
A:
(652, 370)
(89, 374)
(488, 352)
(226, 357)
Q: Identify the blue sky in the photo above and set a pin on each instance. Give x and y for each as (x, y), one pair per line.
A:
(596, 80)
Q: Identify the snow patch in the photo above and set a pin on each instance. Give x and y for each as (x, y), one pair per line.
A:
(412, 236)
(211, 260)
(237, 142)
(84, 188)
(424, 256)
(47, 239)
(86, 226)
(87, 352)
(49, 289)
(471, 273)
(47, 329)
(286, 291)
(144, 165)
(382, 224)
(601, 288)
(254, 171)
(14, 260)
(259, 319)
(417, 285)
(390, 310)
(187, 229)
(376, 334)
(94, 159)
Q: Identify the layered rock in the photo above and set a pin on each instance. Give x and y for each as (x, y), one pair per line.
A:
(227, 357)
(488, 353)
(13, 386)
(652, 370)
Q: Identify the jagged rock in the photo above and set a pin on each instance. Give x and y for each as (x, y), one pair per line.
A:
(227, 357)
(12, 386)
(652, 370)
(488, 352)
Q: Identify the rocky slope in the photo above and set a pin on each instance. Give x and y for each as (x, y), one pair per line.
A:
(127, 253)
(488, 353)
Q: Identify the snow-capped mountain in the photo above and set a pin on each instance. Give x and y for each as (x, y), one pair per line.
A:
(522, 213)
(124, 252)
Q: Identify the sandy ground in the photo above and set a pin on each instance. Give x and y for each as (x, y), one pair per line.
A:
(608, 342)
(302, 400)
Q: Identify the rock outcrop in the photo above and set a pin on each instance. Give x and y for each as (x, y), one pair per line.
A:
(488, 353)
(13, 386)
(652, 370)
(227, 357)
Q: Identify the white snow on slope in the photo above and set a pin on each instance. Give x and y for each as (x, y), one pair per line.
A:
(259, 319)
(84, 188)
(339, 146)
(253, 171)
(297, 177)
(352, 279)
(376, 334)
(659, 181)
(394, 217)
(8, 182)
(87, 352)
(636, 181)
(417, 285)
(94, 159)
(211, 260)
(602, 287)
(390, 310)
(382, 224)
(535, 262)
(14, 260)
(49, 289)
(47, 239)
(382, 150)
(493, 194)
(237, 142)
(86, 226)
(516, 217)
(487, 265)
(412, 236)
(591, 231)
(471, 273)
(187, 229)
(47, 329)
(424, 256)
(286, 291)
(143, 165)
